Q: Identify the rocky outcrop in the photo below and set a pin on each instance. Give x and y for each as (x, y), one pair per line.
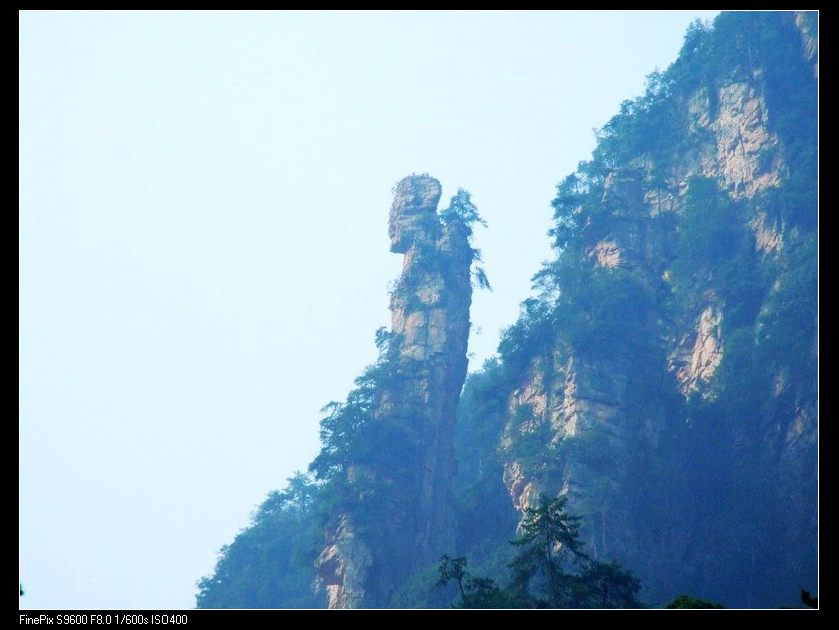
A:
(767, 235)
(343, 567)
(743, 152)
(430, 329)
(564, 398)
(808, 25)
(664, 379)
(571, 394)
(430, 319)
(607, 254)
(699, 354)
(748, 159)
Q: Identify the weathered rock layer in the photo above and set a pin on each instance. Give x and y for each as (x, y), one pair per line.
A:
(430, 329)
(575, 394)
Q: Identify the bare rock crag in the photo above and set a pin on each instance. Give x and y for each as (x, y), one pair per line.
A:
(430, 329)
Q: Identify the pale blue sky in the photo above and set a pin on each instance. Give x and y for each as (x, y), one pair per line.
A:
(204, 253)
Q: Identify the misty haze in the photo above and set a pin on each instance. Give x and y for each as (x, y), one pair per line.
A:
(418, 310)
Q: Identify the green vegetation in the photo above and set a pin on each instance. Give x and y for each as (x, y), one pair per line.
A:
(463, 212)
(484, 519)
(686, 601)
(723, 442)
(688, 489)
(269, 563)
(550, 569)
(462, 209)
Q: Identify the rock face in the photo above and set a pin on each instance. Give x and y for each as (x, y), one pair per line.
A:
(574, 396)
(695, 363)
(746, 156)
(343, 567)
(430, 318)
(430, 329)
(807, 23)
(664, 377)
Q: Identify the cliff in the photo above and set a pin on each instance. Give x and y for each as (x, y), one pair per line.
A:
(663, 377)
(650, 380)
(417, 396)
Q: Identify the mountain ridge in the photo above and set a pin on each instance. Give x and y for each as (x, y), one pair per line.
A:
(663, 378)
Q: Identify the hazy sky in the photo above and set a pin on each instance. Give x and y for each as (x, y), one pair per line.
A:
(204, 254)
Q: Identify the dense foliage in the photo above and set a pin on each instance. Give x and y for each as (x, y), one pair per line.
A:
(463, 211)
(686, 601)
(687, 492)
(352, 475)
(268, 565)
(724, 441)
(549, 570)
